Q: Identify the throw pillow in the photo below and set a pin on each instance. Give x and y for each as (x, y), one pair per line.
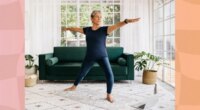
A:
(51, 61)
(121, 61)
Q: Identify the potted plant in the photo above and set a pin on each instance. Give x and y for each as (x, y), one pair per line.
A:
(147, 62)
(30, 67)
(31, 71)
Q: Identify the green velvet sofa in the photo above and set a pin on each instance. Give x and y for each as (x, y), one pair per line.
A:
(70, 60)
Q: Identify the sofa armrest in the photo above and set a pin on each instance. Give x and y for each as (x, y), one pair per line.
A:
(130, 64)
(42, 64)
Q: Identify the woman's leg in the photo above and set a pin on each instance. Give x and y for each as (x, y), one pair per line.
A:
(85, 67)
(105, 64)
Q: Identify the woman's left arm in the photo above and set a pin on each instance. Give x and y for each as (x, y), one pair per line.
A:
(120, 24)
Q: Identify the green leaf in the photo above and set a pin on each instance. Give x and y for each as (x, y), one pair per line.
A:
(27, 57)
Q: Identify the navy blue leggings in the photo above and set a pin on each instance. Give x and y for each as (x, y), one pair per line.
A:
(105, 65)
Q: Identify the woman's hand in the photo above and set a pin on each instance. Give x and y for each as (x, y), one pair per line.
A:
(63, 28)
(75, 29)
(133, 20)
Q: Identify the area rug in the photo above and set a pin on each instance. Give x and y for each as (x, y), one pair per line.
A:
(128, 95)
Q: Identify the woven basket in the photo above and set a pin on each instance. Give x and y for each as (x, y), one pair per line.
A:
(149, 77)
(30, 80)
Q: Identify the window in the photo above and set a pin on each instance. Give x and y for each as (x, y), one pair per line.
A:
(164, 37)
(76, 13)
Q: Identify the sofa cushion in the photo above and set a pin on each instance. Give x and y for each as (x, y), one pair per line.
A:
(69, 54)
(51, 61)
(121, 61)
(68, 64)
(114, 53)
(117, 70)
(77, 54)
(73, 68)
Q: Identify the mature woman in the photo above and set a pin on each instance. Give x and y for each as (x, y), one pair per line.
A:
(96, 49)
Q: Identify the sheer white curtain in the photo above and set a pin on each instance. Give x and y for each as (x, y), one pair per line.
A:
(136, 37)
(42, 26)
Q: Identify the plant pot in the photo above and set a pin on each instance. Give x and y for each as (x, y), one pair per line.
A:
(31, 70)
(30, 80)
(149, 76)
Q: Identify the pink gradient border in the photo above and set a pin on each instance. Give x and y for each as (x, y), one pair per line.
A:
(12, 55)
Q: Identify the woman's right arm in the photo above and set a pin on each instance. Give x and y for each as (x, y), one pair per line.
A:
(75, 29)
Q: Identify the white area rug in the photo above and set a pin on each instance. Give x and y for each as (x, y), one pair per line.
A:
(91, 96)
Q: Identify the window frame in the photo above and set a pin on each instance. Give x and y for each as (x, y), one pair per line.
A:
(113, 37)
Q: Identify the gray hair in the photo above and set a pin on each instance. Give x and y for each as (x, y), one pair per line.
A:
(95, 12)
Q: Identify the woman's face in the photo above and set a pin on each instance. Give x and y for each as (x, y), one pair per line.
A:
(96, 19)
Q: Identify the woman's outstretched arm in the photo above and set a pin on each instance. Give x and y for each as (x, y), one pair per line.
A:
(120, 24)
(75, 29)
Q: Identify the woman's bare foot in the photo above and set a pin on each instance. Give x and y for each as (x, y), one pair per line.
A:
(109, 98)
(72, 88)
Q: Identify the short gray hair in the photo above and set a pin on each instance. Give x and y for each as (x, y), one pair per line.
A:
(95, 12)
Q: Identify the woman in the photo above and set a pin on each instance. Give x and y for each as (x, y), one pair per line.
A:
(96, 49)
